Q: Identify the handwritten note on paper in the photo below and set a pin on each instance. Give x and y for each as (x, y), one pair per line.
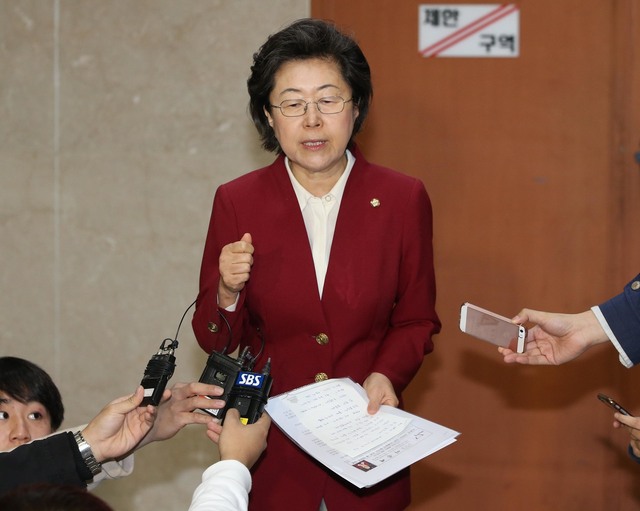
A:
(329, 421)
(337, 415)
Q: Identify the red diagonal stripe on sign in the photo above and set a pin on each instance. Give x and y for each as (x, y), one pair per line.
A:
(469, 30)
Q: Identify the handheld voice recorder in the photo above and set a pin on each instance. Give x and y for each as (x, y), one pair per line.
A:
(158, 372)
(160, 368)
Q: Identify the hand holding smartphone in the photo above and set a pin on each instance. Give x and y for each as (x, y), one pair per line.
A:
(492, 327)
(613, 404)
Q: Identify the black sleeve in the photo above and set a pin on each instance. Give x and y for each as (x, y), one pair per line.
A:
(55, 459)
(632, 455)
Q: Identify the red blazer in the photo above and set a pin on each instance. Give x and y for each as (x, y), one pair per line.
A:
(377, 312)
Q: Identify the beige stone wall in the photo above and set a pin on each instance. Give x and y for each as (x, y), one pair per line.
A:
(118, 120)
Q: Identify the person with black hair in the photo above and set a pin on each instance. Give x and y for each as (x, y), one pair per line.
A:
(51, 497)
(71, 460)
(322, 262)
(31, 408)
(30, 403)
(76, 458)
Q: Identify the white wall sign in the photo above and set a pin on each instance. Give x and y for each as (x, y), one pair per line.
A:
(469, 30)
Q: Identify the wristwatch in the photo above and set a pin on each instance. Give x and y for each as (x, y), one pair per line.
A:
(86, 453)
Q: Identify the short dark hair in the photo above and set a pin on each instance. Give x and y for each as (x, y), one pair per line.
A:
(24, 381)
(52, 497)
(302, 40)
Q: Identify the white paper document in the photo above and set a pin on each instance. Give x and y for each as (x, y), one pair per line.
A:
(329, 420)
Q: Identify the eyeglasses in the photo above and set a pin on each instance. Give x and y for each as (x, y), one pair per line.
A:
(298, 107)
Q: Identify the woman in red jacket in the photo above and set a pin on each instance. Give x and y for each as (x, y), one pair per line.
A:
(322, 261)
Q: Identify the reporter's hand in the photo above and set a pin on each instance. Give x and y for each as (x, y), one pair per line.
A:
(380, 392)
(237, 441)
(119, 426)
(633, 425)
(179, 409)
(556, 338)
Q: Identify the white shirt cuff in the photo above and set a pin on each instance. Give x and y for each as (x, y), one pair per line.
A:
(624, 359)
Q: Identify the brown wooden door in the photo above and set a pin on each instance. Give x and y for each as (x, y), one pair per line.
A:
(529, 163)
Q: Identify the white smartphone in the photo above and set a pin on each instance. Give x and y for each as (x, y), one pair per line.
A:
(492, 327)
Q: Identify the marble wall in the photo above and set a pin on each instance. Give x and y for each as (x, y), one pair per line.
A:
(118, 120)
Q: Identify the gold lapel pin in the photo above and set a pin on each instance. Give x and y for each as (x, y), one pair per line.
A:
(375, 203)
